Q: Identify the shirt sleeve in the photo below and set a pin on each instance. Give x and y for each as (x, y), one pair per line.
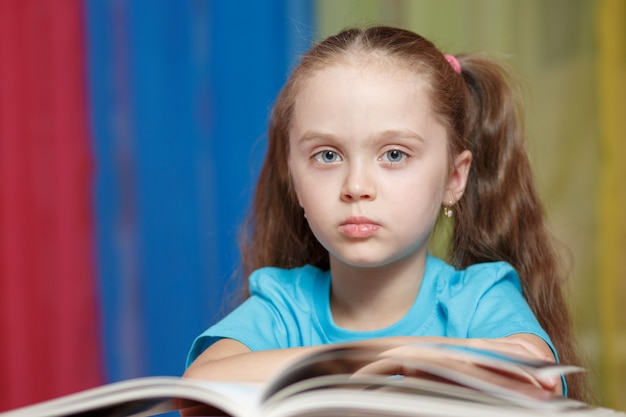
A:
(486, 301)
(255, 323)
(259, 322)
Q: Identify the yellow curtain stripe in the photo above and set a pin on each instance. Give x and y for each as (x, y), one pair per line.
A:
(611, 38)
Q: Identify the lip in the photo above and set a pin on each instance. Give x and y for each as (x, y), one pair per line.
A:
(359, 227)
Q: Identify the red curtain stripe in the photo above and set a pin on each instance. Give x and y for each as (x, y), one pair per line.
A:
(48, 299)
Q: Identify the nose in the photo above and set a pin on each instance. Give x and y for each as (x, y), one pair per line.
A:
(358, 185)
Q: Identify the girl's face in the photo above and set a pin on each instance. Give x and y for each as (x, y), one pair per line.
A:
(369, 162)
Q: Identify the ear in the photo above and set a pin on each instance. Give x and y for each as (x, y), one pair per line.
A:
(457, 179)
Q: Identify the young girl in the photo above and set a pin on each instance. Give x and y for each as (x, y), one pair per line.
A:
(376, 136)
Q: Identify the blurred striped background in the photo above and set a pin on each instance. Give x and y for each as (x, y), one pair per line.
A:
(131, 132)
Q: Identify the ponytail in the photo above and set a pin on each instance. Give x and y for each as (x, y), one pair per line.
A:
(500, 216)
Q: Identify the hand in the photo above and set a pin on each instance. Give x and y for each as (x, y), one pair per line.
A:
(412, 360)
(525, 346)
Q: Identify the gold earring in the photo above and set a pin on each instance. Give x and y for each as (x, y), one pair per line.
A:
(447, 210)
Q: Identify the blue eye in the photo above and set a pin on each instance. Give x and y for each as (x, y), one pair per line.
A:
(394, 155)
(327, 157)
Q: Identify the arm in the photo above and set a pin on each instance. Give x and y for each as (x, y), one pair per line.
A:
(231, 360)
(524, 345)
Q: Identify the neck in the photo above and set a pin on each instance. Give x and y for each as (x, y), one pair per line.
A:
(374, 298)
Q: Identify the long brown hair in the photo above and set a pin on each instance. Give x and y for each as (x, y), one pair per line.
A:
(499, 217)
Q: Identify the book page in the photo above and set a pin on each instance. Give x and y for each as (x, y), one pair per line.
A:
(150, 396)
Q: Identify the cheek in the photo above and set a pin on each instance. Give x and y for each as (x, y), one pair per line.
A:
(305, 191)
(296, 185)
(312, 188)
(416, 200)
(313, 199)
(414, 216)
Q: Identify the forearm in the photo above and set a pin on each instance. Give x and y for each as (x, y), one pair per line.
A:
(230, 360)
(241, 364)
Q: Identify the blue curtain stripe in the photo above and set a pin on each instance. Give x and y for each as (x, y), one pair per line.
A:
(180, 94)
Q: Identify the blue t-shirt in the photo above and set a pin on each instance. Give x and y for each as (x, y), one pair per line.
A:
(291, 308)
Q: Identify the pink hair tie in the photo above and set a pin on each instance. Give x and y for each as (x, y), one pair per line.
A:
(454, 63)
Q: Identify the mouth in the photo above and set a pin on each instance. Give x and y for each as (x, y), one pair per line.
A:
(358, 227)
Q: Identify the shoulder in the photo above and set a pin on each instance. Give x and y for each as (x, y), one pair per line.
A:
(490, 273)
(477, 278)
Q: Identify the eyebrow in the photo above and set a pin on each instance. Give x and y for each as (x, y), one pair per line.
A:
(384, 135)
(404, 133)
(310, 135)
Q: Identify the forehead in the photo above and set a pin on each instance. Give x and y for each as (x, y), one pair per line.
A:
(375, 63)
(361, 100)
(360, 82)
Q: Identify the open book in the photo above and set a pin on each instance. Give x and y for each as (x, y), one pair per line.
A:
(411, 380)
